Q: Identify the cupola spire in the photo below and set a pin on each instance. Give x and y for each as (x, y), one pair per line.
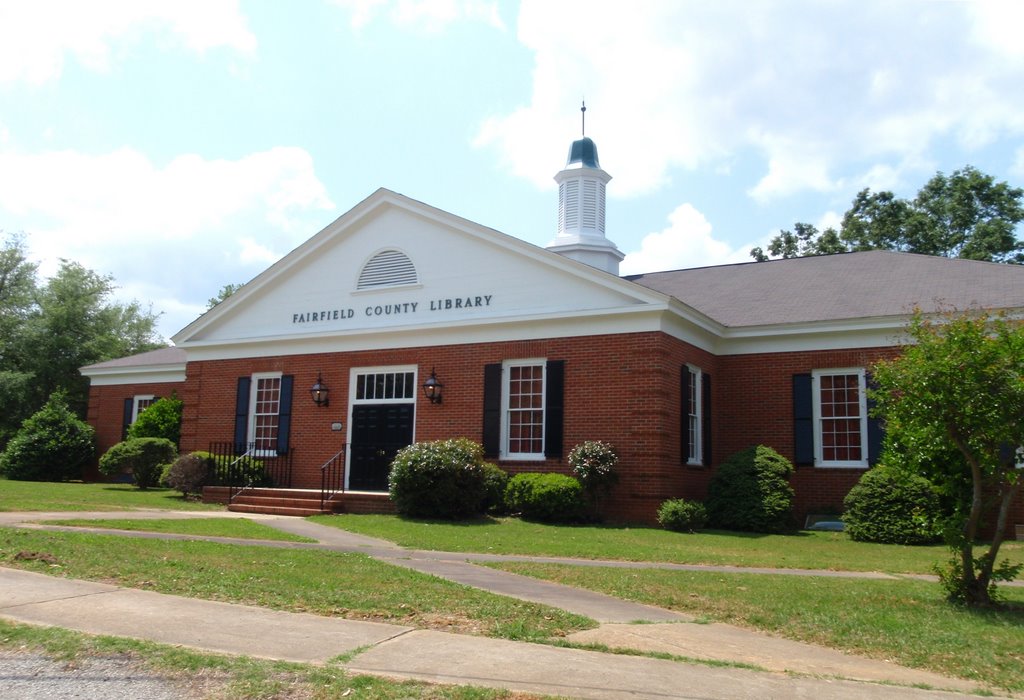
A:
(581, 212)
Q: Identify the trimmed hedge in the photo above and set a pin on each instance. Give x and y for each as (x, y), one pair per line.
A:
(546, 497)
(188, 473)
(681, 515)
(51, 445)
(750, 492)
(495, 483)
(892, 506)
(143, 458)
(442, 479)
(162, 419)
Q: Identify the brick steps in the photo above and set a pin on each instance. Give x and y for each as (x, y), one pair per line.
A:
(298, 502)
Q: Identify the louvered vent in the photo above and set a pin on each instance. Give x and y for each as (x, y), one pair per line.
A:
(571, 218)
(600, 207)
(389, 268)
(589, 209)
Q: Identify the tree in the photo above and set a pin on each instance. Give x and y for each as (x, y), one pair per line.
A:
(954, 401)
(17, 291)
(48, 331)
(74, 323)
(225, 291)
(965, 215)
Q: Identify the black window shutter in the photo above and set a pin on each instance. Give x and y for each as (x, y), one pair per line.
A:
(284, 414)
(492, 410)
(242, 414)
(803, 419)
(126, 416)
(876, 433)
(554, 408)
(684, 414)
(705, 416)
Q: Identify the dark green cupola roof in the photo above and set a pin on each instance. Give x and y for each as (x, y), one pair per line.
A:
(583, 153)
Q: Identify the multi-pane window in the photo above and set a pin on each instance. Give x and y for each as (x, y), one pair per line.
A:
(265, 407)
(524, 410)
(385, 386)
(840, 418)
(141, 403)
(693, 409)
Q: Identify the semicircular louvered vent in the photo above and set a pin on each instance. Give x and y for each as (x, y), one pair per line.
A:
(388, 268)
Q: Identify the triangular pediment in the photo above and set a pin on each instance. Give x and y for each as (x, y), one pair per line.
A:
(395, 264)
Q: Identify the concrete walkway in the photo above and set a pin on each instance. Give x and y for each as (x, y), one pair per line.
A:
(398, 651)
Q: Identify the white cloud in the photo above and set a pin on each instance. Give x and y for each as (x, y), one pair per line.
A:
(180, 230)
(686, 242)
(819, 93)
(430, 16)
(35, 37)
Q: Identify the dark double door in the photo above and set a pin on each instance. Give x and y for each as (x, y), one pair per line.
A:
(379, 431)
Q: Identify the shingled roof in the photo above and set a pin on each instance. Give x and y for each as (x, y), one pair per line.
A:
(838, 287)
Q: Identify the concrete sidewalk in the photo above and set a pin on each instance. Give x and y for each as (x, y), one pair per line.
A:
(397, 651)
(403, 652)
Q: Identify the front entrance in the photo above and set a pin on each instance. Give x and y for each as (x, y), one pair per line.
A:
(379, 431)
(382, 422)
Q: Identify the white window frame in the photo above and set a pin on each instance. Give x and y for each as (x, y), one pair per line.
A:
(506, 411)
(819, 460)
(356, 372)
(253, 393)
(137, 406)
(695, 420)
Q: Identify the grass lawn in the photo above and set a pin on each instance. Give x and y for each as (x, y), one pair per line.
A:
(806, 550)
(323, 583)
(212, 675)
(906, 621)
(203, 527)
(37, 495)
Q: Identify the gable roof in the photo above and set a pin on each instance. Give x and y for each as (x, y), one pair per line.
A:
(839, 287)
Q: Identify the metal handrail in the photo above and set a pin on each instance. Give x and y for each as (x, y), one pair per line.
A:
(332, 477)
(231, 484)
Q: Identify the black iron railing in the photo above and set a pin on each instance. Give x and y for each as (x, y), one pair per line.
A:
(245, 466)
(332, 477)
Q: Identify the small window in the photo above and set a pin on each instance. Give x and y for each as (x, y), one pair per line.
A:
(140, 403)
(840, 418)
(384, 386)
(388, 268)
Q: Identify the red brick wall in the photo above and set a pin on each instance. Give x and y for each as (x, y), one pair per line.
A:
(623, 389)
(106, 413)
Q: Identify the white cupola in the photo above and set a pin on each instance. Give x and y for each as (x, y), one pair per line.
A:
(581, 219)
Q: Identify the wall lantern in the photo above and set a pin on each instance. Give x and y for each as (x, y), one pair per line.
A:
(319, 392)
(432, 388)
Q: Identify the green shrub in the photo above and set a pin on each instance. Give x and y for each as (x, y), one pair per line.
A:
(495, 483)
(442, 479)
(143, 458)
(162, 419)
(232, 470)
(893, 506)
(681, 515)
(750, 492)
(545, 497)
(593, 463)
(52, 445)
(188, 473)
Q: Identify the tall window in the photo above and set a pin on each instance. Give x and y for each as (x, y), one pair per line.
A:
(693, 409)
(524, 410)
(840, 418)
(265, 407)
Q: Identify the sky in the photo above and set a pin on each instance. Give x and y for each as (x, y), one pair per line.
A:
(183, 145)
